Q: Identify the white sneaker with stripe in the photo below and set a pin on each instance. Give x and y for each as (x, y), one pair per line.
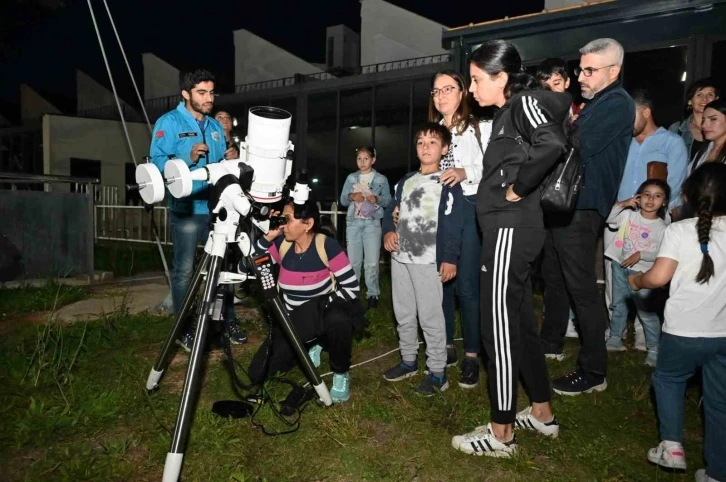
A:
(669, 455)
(526, 421)
(482, 441)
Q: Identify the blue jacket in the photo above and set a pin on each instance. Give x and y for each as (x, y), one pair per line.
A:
(450, 226)
(379, 186)
(682, 129)
(174, 135)
(604, 130)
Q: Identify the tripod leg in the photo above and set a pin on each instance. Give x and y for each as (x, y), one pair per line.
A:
(162, 361)
(299, 348)
(174, 458)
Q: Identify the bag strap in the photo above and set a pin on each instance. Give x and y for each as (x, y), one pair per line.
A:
(319, 247)
(477, 133)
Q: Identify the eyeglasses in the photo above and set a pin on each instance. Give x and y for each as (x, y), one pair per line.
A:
(443, 90)
(588, 71)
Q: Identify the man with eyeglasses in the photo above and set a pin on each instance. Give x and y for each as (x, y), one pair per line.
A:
(603, 132)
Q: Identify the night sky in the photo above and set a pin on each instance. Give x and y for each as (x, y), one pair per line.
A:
(44, 41)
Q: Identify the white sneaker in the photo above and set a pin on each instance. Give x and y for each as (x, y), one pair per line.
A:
(640, 344)
(669, 455)
(526, 421)
(571, 330)
(702, 476)
(483, 442)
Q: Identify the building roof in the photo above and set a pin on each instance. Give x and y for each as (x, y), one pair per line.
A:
(531, 15)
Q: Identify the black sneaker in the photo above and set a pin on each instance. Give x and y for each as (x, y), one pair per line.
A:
(578, 382)
(234, 333)
(451, 357)
(187, 341)
(372, 302)
(469, 372)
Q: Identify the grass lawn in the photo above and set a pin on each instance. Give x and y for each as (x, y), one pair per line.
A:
(74, 407)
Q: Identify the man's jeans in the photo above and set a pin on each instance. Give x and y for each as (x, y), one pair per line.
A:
(569, 268)
(364, 243)
(646, 302)
(187, 231)
(678, 359)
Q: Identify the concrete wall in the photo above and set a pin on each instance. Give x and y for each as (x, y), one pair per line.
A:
(256, 60)
(92, 95)
(390, 33)
(102, 140)
(33, 106)
(160, 78)
(346, 47)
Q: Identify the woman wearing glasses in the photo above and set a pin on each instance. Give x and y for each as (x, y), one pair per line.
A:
(449, 105)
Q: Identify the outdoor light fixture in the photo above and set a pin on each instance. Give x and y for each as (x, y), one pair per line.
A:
(315, 180)
(683, 77)
(234, 122)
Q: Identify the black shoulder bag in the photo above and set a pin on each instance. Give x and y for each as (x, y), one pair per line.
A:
(562, 185)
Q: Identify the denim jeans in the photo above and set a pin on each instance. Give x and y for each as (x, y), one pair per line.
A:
(646, 302)
(188, 231)
(678, 359)
(364, 249)
(466, 284)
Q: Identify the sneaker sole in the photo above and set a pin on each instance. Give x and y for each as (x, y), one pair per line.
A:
(183, 346)
(499, 454)
(596, 388)
(402, 377)
(555, 357)
(616, 350)
(657, 461)
(468, 386)
(340, 400)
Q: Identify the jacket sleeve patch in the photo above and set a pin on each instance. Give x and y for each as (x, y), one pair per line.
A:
(159, 134)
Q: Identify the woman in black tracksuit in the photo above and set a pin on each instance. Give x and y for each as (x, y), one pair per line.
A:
(527, 139)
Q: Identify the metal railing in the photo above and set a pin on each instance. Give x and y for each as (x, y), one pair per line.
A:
(405, 64)
(130, 223)
(160, 105)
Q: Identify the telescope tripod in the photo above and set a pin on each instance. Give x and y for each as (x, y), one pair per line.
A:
(210, 269)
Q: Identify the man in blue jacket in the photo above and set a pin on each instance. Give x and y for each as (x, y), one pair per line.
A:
(188, 133)
(604, 130)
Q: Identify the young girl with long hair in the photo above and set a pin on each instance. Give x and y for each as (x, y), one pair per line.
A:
(692, 258)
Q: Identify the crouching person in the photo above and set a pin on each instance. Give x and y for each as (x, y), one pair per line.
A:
(320, 292)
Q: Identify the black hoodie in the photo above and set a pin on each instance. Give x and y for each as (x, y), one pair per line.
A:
(528, 138)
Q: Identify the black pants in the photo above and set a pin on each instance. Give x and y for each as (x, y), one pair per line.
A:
(331, 328)
(569, 268)
(509, 327)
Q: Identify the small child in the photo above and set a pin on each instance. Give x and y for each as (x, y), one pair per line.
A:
(424, 252)
(635, 247)
(692, 258)
(366, 194)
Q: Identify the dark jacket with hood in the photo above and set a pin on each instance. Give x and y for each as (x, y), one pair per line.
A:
(528, 138)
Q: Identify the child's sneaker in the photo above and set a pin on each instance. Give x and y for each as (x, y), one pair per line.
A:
(526, 421)
(615, 343)
(400, 372)
(669, 455)
(652, 358)
(432, 384)
(234, 333)
(482, 441)
(341, 387)
(314, 354)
